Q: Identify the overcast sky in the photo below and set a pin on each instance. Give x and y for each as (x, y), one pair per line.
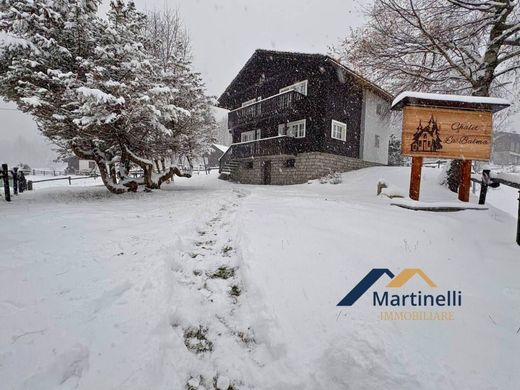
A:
(225, 33)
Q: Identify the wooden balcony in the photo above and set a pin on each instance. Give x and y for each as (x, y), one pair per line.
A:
(277, 105)
(273, 146)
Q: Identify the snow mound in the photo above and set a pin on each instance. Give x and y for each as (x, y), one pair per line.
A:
(437, 206)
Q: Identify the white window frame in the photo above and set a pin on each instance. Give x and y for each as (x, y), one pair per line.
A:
(251, 135)
(289, 128)
(343, 127)
(300, 86)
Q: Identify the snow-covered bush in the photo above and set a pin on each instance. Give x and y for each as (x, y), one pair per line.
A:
(332, 178)
(97, 87)
(443, 176)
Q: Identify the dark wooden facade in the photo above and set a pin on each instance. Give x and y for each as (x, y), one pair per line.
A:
(333, 92)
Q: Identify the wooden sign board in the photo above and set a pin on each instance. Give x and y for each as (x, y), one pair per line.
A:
(446, 133)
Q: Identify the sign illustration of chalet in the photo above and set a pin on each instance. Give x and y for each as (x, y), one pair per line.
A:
(426, 139)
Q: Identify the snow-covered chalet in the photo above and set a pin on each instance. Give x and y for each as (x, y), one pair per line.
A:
(295, 117)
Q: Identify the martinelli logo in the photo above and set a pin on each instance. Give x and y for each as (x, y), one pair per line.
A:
(394, 298)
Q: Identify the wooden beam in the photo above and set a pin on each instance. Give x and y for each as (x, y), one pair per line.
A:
(465, 180)
(415, 178)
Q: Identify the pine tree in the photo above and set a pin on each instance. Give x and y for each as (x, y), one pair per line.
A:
(95, 87)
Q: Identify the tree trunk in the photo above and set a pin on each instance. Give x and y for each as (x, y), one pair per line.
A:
(113, 175)
(103, 171)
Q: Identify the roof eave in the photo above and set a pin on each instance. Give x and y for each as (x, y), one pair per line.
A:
(385, 94)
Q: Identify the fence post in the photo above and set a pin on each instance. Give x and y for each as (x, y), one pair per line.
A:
(484, 186)
(69, 181)
(518, 221)
(5, 175)
(29, 185)
(15, 180)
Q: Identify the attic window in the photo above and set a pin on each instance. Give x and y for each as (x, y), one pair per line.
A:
(300, 87)
(379, 109)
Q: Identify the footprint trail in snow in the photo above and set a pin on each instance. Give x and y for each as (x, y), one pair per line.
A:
(221, 342)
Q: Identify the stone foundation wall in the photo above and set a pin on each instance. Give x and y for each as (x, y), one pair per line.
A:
(307, 166)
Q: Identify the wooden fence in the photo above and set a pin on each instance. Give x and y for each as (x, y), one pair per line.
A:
(17, 179)
(30, 183)
(487, 181)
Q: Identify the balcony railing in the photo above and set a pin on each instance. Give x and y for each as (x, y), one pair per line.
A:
(273, 146)
(270, 107)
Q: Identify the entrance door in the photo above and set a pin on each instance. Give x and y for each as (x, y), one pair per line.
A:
(267, 172)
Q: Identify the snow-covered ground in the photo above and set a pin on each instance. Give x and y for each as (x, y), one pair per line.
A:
(504, 198)
(210, 283)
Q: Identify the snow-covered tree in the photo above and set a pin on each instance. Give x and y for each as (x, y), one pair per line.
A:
(170, 44)
(394, 151)
(96, 88)
(168, 36)
(461, 46)
(453, 46)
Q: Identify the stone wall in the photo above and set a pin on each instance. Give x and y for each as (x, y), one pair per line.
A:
(307, 166)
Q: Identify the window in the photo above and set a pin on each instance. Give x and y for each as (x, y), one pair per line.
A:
(339, 130)
(247, 136)
(293, 129)
(379, 109)
(300, 87)
(91, 165)
(377, 139)
(252, 135)
(290, 163)
(249, 165)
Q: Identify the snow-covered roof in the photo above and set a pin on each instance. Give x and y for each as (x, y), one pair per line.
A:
(222, 148)
(487, 103)
(223, 100)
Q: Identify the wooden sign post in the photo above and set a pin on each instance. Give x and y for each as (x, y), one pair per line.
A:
(446, 126)
(415, 178)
